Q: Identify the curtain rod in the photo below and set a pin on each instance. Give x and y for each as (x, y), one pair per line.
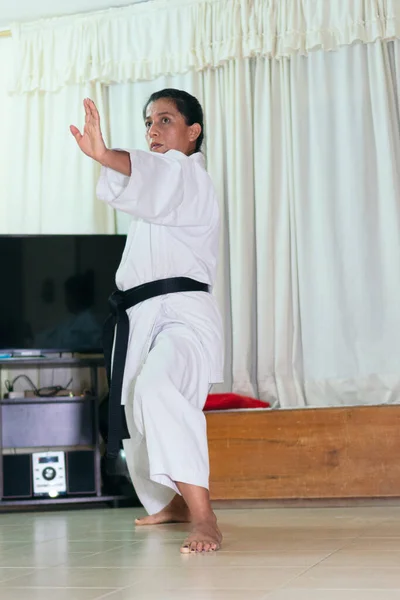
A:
(5, 33)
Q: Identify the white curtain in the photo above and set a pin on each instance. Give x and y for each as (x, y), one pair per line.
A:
(49, 186)
(46, 185)
(6, 137)
(304, 152)
(345, 190)
(305, 155)
(169, 37)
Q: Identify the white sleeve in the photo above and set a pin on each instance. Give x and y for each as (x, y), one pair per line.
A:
(160, 190)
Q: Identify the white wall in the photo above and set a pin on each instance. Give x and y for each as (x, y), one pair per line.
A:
(27, 10)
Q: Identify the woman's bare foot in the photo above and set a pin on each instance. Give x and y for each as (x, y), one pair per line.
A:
(176, 512)
(204, 537)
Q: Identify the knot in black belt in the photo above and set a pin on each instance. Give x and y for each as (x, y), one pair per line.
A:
(119, 302)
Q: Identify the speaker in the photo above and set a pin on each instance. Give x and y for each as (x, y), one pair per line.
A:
(48, 470)
(81, 472)
(17, 476)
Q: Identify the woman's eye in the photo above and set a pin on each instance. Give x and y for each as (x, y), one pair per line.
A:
(165, 120)
(148, 125)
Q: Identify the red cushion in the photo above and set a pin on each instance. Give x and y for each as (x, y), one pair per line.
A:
(230, 401)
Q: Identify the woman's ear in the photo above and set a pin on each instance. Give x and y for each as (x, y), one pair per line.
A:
(195, 131)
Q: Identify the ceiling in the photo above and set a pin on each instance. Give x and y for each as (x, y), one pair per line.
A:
(31, 10)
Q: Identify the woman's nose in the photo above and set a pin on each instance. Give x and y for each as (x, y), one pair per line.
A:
(153, 131)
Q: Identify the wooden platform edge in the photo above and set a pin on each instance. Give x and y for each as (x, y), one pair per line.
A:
(322, 453)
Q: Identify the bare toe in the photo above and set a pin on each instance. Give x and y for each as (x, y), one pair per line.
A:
(205, 537)
(149, 520)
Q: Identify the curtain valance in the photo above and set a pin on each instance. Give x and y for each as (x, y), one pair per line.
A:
(160, 37)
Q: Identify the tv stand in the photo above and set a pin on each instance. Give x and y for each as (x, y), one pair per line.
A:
(60, 423)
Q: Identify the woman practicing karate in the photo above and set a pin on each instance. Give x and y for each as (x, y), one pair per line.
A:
(168, 345)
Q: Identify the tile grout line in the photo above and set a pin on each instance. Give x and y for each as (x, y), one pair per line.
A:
(346, 545)
(122, 589)
(109, 594)
(33, 570)
(30, 570)
(309, 568)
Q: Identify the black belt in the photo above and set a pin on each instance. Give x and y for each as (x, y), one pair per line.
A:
(119, 303)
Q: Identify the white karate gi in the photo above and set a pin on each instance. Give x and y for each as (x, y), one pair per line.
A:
(176, 341)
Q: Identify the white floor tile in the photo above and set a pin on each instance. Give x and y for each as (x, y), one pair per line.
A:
(268, 554)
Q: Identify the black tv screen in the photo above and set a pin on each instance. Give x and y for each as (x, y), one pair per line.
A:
(54, 290)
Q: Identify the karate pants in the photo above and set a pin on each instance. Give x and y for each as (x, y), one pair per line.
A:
(165, 418)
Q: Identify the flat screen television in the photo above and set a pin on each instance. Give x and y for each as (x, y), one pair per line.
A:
(54, 291)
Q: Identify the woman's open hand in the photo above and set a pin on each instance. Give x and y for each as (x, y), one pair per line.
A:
(91, 142)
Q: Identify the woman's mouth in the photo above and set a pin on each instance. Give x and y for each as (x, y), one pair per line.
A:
(155, 146)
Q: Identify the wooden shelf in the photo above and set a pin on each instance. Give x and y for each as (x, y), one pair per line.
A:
(32, 449)
(47, 400)
(52, 362)
(33, 417)
(27, 502)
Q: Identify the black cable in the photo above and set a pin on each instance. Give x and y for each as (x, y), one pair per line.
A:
(44, 392)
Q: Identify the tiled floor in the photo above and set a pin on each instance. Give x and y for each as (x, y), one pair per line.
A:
(268, 554)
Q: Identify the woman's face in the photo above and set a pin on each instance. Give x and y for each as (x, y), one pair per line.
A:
(166, 128)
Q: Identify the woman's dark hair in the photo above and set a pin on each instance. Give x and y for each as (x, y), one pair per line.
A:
(186, 104)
